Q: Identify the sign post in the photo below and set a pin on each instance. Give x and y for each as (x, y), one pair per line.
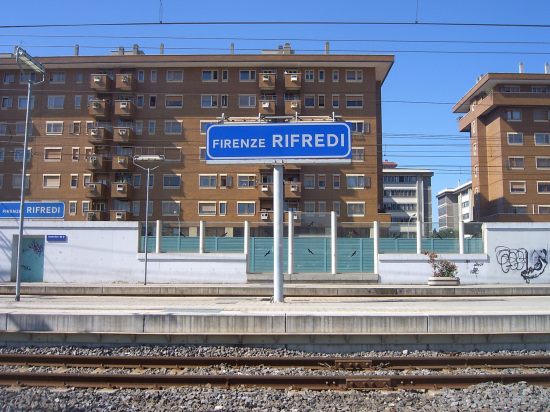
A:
(278, 144)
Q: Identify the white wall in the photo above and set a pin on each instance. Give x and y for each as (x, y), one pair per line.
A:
(107, 252)
(516, 253)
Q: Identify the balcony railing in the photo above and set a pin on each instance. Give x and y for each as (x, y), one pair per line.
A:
(100, 82)
(95, 191)
(123, 134)
(121, 190)
(124, 108)
(126, 82)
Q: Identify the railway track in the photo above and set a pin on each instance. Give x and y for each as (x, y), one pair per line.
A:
(162, 372)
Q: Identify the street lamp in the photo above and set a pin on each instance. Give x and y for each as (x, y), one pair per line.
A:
(177, 213)
(409, 222)
(147, 159)
(23, 58)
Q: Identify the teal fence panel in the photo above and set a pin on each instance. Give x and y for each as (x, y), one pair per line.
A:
(312, 255)
(174, 244)
(224, 244)
(355, 255)
(261, 255)
(393, 245)
(473, 245)
(446, 245)
(151, 244)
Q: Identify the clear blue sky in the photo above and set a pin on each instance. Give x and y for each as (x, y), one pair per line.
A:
(435, 65)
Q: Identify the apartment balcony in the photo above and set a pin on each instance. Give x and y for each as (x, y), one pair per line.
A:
(292, 107)
(292, 190)
(96, 191)
(126, 82)
(267, 107)
(96, 164)
(121, 163)
(293, 81)
(96, 215)
(121, 190)
(98, 136)
(267, 81)
(98, 108)
(123, 135)
(120, 216)
(124, 108)
(100, 82)
(265, 191)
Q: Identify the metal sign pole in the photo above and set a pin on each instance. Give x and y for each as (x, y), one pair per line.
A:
(278, 277)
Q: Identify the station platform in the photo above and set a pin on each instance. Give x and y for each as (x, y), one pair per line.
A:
(355, 317)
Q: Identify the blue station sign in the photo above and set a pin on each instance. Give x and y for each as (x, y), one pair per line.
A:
(326, 142)
(33, 210)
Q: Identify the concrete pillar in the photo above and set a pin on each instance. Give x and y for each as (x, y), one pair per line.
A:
(376, 246)
(419, 236)
(461, 237)
(333, 239)
(158, 243)
(201, 236)
(290, 215)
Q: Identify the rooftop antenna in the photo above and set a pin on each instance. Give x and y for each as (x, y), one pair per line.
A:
(160, 12)
(416, 18)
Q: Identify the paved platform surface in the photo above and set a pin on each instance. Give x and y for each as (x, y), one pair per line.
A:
(505, 313)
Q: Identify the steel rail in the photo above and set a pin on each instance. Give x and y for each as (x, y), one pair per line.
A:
(372, 382)
(347, 363)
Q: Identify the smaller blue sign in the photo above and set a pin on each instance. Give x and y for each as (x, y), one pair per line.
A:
(33, 210)
(56, 238)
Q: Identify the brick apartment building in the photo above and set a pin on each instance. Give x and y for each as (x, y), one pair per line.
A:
(507, 116)
(92, 114)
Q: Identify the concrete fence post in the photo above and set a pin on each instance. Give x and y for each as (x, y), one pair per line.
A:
(158, 243)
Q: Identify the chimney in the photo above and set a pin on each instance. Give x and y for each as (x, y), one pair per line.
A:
(121, 51)
(286, 48)
(232, 48)
(520, 67)
(546, 68)
(162, 48)
(76, 49)
(135, 49)
(327, 47)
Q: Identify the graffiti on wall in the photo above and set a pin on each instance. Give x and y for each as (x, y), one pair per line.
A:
(530, 264)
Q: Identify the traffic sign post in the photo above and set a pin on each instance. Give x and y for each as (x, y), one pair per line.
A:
(278, 144)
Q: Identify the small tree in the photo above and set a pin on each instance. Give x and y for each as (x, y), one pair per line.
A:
(442, 267)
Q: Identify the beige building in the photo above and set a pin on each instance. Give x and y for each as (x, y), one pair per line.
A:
(507, 117)
(92, 114)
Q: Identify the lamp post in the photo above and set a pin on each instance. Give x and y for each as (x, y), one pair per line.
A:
(408, 224)
(177, 213)
(147, 158)
(23, 58)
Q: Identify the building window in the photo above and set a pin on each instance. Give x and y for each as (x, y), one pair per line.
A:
(247, 75)
(18, 154)
(355, 208)
(209, 75)
(246, 208)
(354, 101)
(137, 180)
(512, 115)
(309, 100)
(222, 208)
(174, 75)
(139, 126)
(152, 101)
(309, 207)
(542, 139)
(141, 76)
(516, 163)
(540, 115)
(309, 181)
(321, 101)
(74, 181)
(55, 102)
(518, 210)
(151, 127)
(544, 210)
(172, 127)
(54, 127)
(225, 75)
(153, 76)
(51, 181)
(171, 181)
(322, 207)
(170, 208)
(57, 77)
(335, 75)
(357, 154)
(208, 181)
(309, 75)
(335, 100)
(336, 208)
(72, 207)
(207, 208)
(2, 153)
(3, 129)
(543, 162)
(85, 206)
(174, 101)
(22, 102)
(517, 187)
(322, 181)
(25, 77)
(224, 100)
(515, 138)
(135, 207)
(247, 100)
(7, 102)
(357, 126)
(355, 181)
(9, 78)
(336, 181)
(209, 100)
(16, 181)
(139, 102)
(247, 181)
(52, 154)
(354, 76)
(225, 181)
(543, 187)
(510, 89)
(321, 74)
